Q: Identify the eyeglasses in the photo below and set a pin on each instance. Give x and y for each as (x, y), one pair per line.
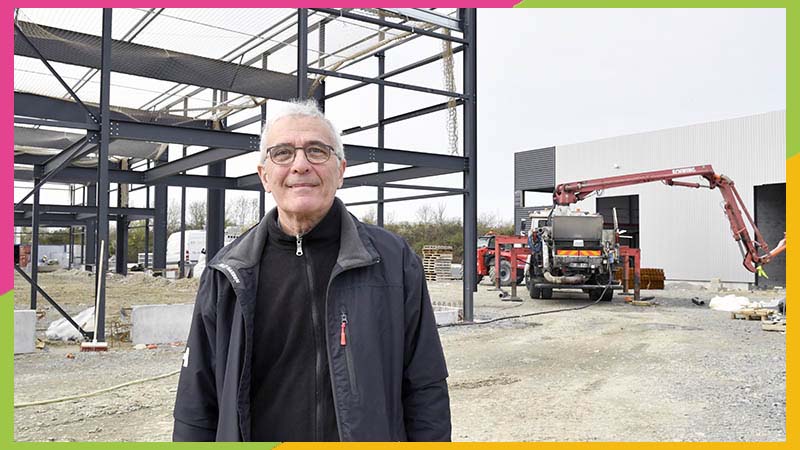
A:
(284, 154)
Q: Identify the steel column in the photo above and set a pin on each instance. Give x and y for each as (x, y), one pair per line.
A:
(35, 240)
(262, 195)
(470, 152)
(90, 240)
(122, 225)
(381, 132)
(160, 223)
(147, 227)
(102, 177)
(181, 257)
(215, 208)
(302, 52)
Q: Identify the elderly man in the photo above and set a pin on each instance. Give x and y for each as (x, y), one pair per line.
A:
(312, 326)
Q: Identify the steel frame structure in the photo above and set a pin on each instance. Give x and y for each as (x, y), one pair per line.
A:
(102, 125)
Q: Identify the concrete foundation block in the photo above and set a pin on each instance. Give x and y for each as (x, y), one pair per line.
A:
(445, 315)
(160, 324)
(24, 331)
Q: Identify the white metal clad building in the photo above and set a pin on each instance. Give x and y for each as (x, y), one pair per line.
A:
(684, 231)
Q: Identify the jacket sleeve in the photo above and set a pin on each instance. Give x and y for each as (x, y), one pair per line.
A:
(196, 409)
(426, 403)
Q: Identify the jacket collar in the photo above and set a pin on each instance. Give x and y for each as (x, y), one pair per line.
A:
(355, 249)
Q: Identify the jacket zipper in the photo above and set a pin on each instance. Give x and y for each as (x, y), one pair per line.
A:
(317, 353)
(344, 338)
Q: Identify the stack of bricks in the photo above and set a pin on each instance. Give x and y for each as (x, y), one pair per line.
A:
(650, 278)
(436, 260)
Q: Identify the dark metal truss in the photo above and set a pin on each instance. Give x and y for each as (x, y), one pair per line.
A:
(80, 49)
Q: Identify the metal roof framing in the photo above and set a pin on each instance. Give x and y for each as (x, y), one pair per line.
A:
(159, 124)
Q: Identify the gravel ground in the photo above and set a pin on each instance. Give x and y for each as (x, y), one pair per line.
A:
(609, 372)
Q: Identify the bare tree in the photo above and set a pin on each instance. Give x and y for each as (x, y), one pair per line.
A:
(242, 211)
(425, 214)
(438, 213)
(196, 215)
(370, 217)
(173, 217)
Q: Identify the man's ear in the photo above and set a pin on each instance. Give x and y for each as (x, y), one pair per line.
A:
(342, 166)
(262, 175)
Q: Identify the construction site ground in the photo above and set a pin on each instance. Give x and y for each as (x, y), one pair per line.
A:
(674, 371)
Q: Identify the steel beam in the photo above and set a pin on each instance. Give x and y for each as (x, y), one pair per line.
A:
(32, 50)
(28, 106)
(376, 179)
(180, 135)
(363, 153)
(396, 26)
(381, 82)
(431, 17)
(394, 72)
(55, 164)
(80, 174)
(113, 212)
(402, 199)
(56, 123)
(401, 117)
(71, 47)
(199, 159)
(36, 287)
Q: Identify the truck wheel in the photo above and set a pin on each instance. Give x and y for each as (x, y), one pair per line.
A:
(506, 273)
(490, 265)
(535, 292)
(595, 294)
(608, 295)
(547, 293)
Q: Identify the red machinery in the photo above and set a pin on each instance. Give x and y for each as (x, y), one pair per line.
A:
(754, 249)
(501, 268)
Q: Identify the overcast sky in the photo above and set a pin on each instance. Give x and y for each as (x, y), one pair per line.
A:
(560, 76)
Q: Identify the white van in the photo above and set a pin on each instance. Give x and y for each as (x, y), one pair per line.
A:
(195, 244)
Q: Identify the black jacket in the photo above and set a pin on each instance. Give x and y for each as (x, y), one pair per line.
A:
(389, 381)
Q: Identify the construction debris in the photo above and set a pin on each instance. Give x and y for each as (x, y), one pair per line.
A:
(649, 278)
(752, 314)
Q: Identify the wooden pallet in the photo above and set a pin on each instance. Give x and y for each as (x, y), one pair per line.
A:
(774, 325)
(752, 314)
(436, 262)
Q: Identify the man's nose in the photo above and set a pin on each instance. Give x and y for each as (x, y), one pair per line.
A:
(300, 163)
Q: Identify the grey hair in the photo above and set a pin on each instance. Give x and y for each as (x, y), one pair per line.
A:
(302, 108)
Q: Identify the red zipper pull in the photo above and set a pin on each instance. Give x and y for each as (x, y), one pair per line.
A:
(343, 339)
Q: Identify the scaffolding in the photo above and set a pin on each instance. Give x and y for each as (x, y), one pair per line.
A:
(68, 131)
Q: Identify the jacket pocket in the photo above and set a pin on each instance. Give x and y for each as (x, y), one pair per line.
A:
(345, 341)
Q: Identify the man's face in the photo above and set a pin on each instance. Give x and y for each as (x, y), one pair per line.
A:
(300, 188)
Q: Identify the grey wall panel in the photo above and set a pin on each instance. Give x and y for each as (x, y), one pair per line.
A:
(535, 170)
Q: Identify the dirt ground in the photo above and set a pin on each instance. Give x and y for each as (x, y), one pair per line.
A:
(609, 372)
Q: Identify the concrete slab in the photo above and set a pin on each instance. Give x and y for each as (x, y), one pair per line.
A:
(445, 315)
(24, 331)
(160, 324)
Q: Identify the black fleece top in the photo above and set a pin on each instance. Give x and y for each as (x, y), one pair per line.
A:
(291, 395)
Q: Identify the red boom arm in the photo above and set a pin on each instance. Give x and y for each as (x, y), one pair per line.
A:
(754, 249)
